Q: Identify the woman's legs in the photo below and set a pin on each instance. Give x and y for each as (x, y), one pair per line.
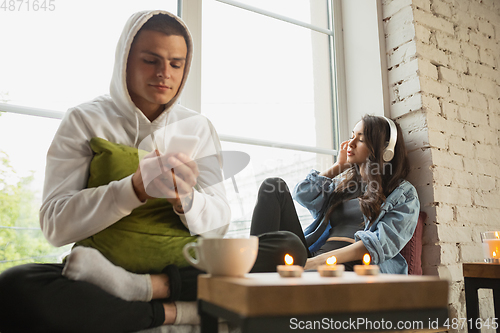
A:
(275, 211)
(38, 298)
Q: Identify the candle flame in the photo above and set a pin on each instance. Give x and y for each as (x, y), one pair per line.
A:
(366, 259)
(497, 235)
(494, 254)
(331, 261)
(288, 259)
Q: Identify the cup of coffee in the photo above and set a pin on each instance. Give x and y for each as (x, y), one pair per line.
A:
(223, 256)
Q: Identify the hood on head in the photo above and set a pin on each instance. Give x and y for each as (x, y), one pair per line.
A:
(118, 88)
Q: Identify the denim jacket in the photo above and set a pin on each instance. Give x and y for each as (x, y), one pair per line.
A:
(385, 237)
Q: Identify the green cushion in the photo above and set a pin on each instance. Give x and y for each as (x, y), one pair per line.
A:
(148, 239)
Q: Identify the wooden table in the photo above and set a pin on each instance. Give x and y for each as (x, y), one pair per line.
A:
(265, 302)
(477, 276)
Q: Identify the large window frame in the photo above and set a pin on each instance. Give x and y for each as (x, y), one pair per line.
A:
(191, 13)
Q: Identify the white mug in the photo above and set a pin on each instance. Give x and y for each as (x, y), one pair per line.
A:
(223, 256)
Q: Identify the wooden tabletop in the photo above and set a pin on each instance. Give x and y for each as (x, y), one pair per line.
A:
(260, 294)
(481, 270)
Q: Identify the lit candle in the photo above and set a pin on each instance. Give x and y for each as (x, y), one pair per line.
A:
(366, 268)
(331, 268)
(491, 248)
(289, 269)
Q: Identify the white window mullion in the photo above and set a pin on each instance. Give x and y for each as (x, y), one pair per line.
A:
(276, 16)
(275, 144)
(191, 11)
(340, 122)
(4, 107)
(323, 74)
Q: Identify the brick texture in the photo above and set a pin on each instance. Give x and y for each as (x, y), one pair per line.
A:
(443, 64)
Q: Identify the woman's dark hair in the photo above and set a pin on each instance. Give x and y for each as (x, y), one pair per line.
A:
(381, 178)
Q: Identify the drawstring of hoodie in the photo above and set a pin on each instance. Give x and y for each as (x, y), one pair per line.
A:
(136, 139)
(152, 125)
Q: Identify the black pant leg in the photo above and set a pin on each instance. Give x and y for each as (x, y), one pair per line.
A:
(273, 246)
(275, 211)
(37, 298)
(183, 282)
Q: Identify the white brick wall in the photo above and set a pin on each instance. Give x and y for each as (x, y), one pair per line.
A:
(443, 61)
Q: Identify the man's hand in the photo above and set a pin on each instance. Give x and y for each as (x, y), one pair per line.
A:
(166, 176)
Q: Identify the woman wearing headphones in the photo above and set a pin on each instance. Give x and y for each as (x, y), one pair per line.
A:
(361, 204)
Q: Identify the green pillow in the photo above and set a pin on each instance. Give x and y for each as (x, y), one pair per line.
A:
(148, 239)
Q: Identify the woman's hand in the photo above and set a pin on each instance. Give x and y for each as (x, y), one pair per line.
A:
(312, 264)
(342, 156)
(341, 164)
(166, 176)
(347, 253)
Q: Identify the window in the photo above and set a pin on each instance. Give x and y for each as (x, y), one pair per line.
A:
(57, 59)
(268, 81)
(264, 76)
(24, 143)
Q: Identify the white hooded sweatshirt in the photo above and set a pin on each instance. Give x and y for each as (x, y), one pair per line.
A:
(71, 212)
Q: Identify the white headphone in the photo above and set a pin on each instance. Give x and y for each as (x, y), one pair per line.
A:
(389, 150)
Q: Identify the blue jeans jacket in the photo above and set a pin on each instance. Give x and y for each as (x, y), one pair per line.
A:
(385, 237)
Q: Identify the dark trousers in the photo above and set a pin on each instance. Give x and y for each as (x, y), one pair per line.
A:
(37, 298)
(275, 211)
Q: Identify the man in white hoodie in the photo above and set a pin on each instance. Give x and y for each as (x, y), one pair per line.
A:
(123, 274)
